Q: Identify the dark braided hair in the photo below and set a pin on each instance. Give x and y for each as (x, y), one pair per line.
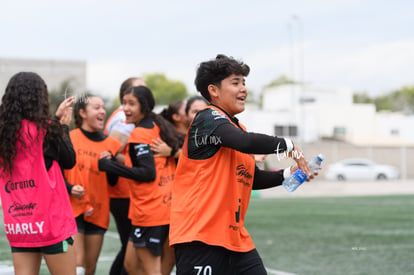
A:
(25, 97)
(171, 110)
(168, 133)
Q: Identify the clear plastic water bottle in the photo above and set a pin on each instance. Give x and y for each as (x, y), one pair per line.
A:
(298, 177)
(315, 163)
(294, 180)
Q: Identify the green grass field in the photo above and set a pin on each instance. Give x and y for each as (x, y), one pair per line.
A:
(352, 235)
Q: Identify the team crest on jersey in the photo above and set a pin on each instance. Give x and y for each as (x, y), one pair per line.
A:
(217, 115)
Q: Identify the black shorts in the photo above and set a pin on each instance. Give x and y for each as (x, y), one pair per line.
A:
(197, 258)
(57, 248)
(151, 237)
(88, 228)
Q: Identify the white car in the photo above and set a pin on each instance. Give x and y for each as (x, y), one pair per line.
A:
(360, 169)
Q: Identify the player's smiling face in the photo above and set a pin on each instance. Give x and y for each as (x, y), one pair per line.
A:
(132, 108)
(93, 116)
(231, 95)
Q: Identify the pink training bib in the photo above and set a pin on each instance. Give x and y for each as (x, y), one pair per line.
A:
(35, 201)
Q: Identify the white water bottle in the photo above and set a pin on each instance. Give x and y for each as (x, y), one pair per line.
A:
(315, 163)
(294, 181)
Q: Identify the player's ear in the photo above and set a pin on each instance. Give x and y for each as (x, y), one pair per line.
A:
(82, 113)
(213, 91)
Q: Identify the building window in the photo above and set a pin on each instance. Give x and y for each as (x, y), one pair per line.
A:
(279, 130)
(395, 132)
(293, 131)
(286, 130)
(339, 131)
(304, 100)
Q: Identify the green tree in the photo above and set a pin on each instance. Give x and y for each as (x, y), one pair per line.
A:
(401, 100)
(383, 103)
(362, 98)
(279, 81)
(404, 99)
(165, 90)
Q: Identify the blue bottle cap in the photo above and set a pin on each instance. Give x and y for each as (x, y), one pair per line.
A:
(321, 157)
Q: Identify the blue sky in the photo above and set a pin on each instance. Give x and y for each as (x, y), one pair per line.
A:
(363, 45)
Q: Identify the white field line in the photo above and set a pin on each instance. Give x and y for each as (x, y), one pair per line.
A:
(6, 268)
(111, 234)
(278, 272)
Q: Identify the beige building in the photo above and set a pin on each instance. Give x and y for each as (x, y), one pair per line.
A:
(53, 71)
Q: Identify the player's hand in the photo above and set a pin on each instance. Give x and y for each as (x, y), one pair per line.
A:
(64, 106)
(106, 155)
(301, 162)
(160, 148)
(77, 191)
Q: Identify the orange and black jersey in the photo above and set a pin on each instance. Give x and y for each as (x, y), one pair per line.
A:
(214, 178)
(142, 158)
(94, 136)
(212, 130)
(88, 147)
(149, 178)
(97, 137)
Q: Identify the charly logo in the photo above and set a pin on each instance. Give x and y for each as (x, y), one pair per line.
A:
(19, 185)
(138, 233)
